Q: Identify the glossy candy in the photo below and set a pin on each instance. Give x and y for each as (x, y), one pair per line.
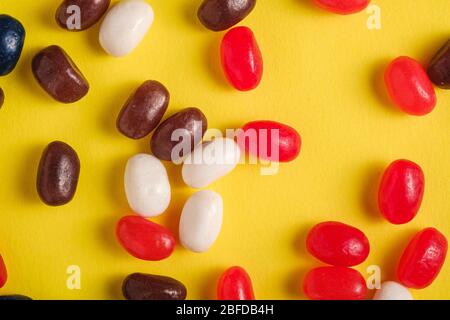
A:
(15, 297)
(334, 283)
(3, 272)
(147, 185)
(338, 244)
(401, 191)
(422, 259)
(58, 174)
(58, 75)
(124, 26)
(219, 15)
(143, 110)
(235, 284)
(391, 290)
(409, 86)
(210, 161)
(144, 239)
(2, 98)
(12, 37)
(201, 221)
(439, 69)
(241, 59)
(140, 286)
(185, 128)
(88, 11)
(343, 6)
(270, 140)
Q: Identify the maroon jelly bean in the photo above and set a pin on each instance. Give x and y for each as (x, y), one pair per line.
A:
(439, 68)
(77, 15)
(2, 97)
(140, 286)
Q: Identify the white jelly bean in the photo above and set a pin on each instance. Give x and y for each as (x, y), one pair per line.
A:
(146, 185)
(391, 290)
(124, 26)
(210, 161)
(201, 220)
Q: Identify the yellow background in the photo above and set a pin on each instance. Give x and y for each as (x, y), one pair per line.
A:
(322, 75)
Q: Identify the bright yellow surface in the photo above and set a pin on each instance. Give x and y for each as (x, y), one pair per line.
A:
(322, 76)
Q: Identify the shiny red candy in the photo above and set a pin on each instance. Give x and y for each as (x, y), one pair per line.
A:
(144, 239)
(3, 272)
(401, 191)
(270, 140)
(422, 259)
(334, 283)
(409, 86)
(241, 59)
(338, 244)
(235, 284)
(343, 6)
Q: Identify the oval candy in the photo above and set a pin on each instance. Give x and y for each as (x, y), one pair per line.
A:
(235, 284)
(439, 69)
(2, 98)
(140, 286)
(12, 38)
(15, 297)
(391, 290)
(3, 272)
(77, 15)
(219, 15)
(343, 6)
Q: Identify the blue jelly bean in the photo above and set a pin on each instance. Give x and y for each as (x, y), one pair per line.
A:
(12, 36)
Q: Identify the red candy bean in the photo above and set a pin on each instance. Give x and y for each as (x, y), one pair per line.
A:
(270, 140)
(338, 244)
(235, 284)
(343, 6)
(401, 191)
(334, 283)
(422, 259)
(144, 239)
(241, 59)
(3, 272)
(409, 86)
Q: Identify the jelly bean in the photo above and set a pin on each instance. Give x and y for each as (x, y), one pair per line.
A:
(124, 27)
(409, 87)
(210, 161)
(144, 110)
(140, 286)
(241, 59)
(77, 15)
(12, 37)
(422, 259)
(201, 221)
(58, 173)
(15, 297)
(3, 272)
(391, 290)
(439, 68)
(185, 127)
(343, 6)
(235, 284)
(334, 283)
(219, 15)
(144, 239)
(2, 98)
(270, 140)
(338, 244)
(59, 76)
(146, 185)
(401, 191)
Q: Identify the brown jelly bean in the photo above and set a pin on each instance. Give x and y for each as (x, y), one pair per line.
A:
(58, 173)
(58, 75)
(144, 110)
(140, 286)
(192, 123)
(2, 97)
(439, 68)
(89, 11)
(219, 15)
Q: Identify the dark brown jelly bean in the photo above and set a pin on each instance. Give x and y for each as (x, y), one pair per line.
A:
(219, 15)
(58, 173)
(140, 286)
(90, 12)
(439, 68)
(144, 110)
(2, 97)
(191, 120)
(58, 75)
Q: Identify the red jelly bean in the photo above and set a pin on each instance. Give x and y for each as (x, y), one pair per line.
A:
(270, 140)
(343, 6)
(241, 58)
(144, 239)
(401, 191)
(334, 283)
(422, 259)
(409, 86)
(235, 284)
(3, 272)
(338, 244)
